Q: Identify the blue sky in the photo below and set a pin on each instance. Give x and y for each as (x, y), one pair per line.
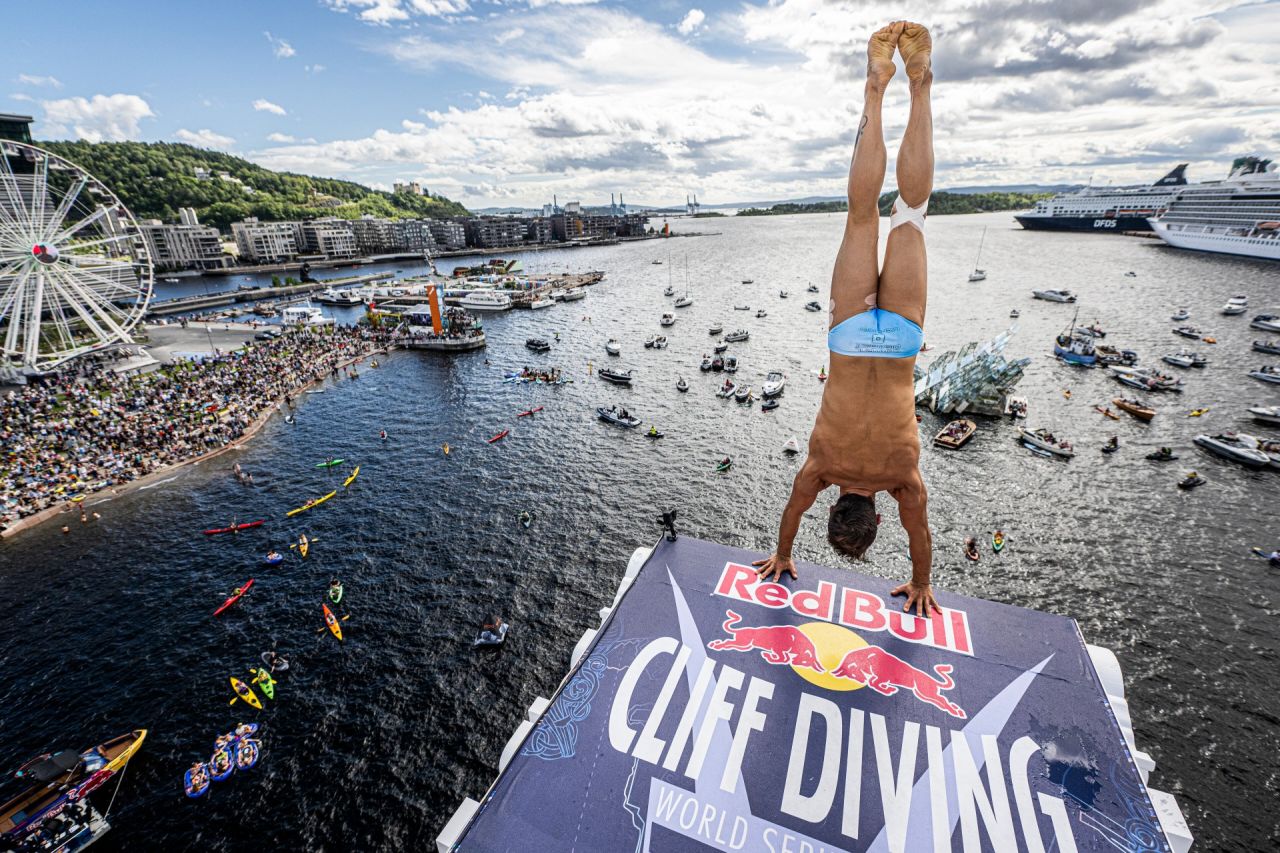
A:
(507, 102)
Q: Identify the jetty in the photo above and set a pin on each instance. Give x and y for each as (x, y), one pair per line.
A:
(202, 302)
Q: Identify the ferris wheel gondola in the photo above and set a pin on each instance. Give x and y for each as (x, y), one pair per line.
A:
(75, 274)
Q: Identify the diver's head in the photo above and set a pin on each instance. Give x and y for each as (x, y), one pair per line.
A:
(853, 524)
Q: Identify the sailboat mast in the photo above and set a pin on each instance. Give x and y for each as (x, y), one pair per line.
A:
(981, 240)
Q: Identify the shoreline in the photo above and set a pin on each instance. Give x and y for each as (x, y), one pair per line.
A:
(67, 507)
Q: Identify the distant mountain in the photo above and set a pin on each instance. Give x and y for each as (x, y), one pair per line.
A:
(1016, 188)
(154, 179)
(940, 204)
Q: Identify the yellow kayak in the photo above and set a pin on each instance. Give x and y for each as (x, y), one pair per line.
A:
(354, 474)
(244, 692)
(309, 504)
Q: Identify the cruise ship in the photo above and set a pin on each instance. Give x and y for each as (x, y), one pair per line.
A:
(1113, 209)
(1238, 216)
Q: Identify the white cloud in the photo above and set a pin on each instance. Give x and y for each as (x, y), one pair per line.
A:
(280, 137)
(691, 21)
(204, 138)
(262, 105)
(385, 12)
(314, 69)
(37, 80)
(102, 117)
(281, 48)
(19, 96)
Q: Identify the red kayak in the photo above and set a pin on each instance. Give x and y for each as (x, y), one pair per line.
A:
(530, 412)
(500, 436)
(247, 525)
(233, 599)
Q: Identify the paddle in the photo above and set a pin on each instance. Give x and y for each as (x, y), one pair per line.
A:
(309, 542)
(326, 627)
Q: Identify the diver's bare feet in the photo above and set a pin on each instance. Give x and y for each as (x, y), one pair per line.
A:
(880, 66)
(916, 48)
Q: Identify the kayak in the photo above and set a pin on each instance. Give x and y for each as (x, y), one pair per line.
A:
(265, 682)
(526, 518)
(330, 463)
(335, 593)
(500, 436)
(196, 788)
(246, 754)
(309, 504)
(532, 411)
(235, 528)
(245, 692)
(304, 545)
(445, 448)
(221, 764)
(724, 466)
(234, 598)
(997, 541)
(332, 621)
(355, 473)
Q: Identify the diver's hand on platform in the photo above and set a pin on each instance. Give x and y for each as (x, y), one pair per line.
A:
(919, 595)
(775, 565)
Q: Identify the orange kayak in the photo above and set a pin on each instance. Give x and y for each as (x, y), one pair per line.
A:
(332, 622)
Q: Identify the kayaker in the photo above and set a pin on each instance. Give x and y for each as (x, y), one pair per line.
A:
(383, 435)
(335, 590)
(865, 439)
(198, 775)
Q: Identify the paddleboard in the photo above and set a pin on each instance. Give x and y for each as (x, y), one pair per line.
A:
(355, 473)
(245, 692)
(234, 598)
(332, 622)
(310, 504)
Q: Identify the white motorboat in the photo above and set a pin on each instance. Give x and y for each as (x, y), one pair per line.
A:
(669, 291)
(731, 364)
(706, 364)
(812, 306)
(1266, 322)
(338, 297)
(1267, 373)
(743, 394)
(737, 336)
(1181, 315)
(573, 294)
(773, 384)
(612, 347)
(618, 417)
(648, 342)
(617, 377)
(1189, 332)
(542, 302)
(1094, 331)
(1272, 347)
(1266, 414)
(1054, 295)
(1047, 442)
(1015, 407)
(1184, 359)
(1232, 308)
(668, 320)
(486, 300)
(716, 329)
(1270, 447)
(660, 342)
(791, 446)
(727, 389)
(1231, 446)
(304, 315)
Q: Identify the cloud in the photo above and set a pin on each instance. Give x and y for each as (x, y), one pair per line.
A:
(314, 69)
(19, 96)
(280, 137)
(691, 22)
(204, 138)
(37, 80)
(262, 105)
(385, 12)
(97, 119)
(281, 48)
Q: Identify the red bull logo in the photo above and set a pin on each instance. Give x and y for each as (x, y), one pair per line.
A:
(780, 644)
(885, 673)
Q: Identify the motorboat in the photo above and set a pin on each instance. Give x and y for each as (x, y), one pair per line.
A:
(1233, 447)
(1137, 408)
(542, 302)
(1181, 316)
(731, 364)
(537, 344)
(1266, 322)
(720, 347)
(718, 328)
(648, 342)
(813, 288)
(684, 301)
(1189, 332)
(1110, 355)
(748, 281)
(761, 314)
(1046, 441)
(668, 320)
(1272, 347)
(573, 294)
(978, 275)
(1191, 481)
(1015, 407)
(791, 446)
(617, 377)
(1266, 414)
(1131, 274)
(660, 342)
(743, 394)
(1093, 331)
(1181, 359)
(812, 306)
(769, 405)
(333, 296)
(1054, 295)
(670, 291)
(782, 294)
(1146, 378)
(304, 315)
(773, 384)
(1075, 350)
(612, 347)
(1267, 373)
(1233, 308)
(706, 364)
(681, 385)
(954, 435)
(717, 364)
(1268, 446)
(485, 300)
(1164, 454)
(727, 389)
(1015, 313)
(737, 336)
(742, 308)
(617, 417)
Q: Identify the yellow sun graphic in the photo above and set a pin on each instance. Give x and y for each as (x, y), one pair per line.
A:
(833, 642)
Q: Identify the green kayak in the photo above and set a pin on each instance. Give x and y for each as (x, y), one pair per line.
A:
(335, 593)
(330, 463)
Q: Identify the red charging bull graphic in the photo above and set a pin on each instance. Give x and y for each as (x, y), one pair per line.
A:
(885, 673)
(783, 644)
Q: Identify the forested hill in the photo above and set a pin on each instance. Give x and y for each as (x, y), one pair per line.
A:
(940, 203)
(154, 179)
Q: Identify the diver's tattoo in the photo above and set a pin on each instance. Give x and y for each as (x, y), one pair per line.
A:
(861, 127)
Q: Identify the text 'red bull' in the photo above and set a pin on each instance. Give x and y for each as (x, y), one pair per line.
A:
(853, 608)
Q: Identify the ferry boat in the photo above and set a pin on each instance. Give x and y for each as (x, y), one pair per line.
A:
(304, 315)
(485, 300)
(1112, 209)
(1238, 216)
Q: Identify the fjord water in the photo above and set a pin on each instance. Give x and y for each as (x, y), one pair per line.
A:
(371, 743)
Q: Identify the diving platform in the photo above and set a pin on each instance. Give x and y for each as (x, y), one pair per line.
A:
(711, 710)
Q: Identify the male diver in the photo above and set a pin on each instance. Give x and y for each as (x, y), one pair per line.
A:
(864, 439)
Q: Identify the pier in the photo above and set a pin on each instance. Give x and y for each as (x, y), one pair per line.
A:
(231, 297)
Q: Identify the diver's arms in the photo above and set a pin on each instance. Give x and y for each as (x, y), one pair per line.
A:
(803, 493)
(913, 510)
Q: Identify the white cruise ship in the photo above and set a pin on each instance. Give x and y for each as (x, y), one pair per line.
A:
(1113, 209)
(485, 300)
(1238, 216)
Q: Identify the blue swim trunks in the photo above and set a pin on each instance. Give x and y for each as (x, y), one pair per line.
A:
(876, 334)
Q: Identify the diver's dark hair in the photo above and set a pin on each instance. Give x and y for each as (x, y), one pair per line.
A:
(853, 525)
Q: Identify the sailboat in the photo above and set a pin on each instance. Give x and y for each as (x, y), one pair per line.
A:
(978, 273)
(686, 300)
(670, 291)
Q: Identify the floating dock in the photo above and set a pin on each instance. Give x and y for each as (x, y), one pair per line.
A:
(715, 711)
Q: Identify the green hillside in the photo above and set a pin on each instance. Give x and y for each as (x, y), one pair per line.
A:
(154, 179)
(940, 203)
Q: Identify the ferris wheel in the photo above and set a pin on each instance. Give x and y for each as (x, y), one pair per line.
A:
(75, 274)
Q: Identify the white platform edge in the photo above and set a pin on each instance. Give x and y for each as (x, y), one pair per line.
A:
(453, 829)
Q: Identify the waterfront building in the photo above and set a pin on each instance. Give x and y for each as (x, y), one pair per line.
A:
(329, 236)
(265, 242)
(185, 246)
(448, 234)
(373, 236)
(413, 236)
(573, 223)
(538, 230)
(495, 232)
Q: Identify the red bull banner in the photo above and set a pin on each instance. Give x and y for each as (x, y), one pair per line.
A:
(715, 711)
